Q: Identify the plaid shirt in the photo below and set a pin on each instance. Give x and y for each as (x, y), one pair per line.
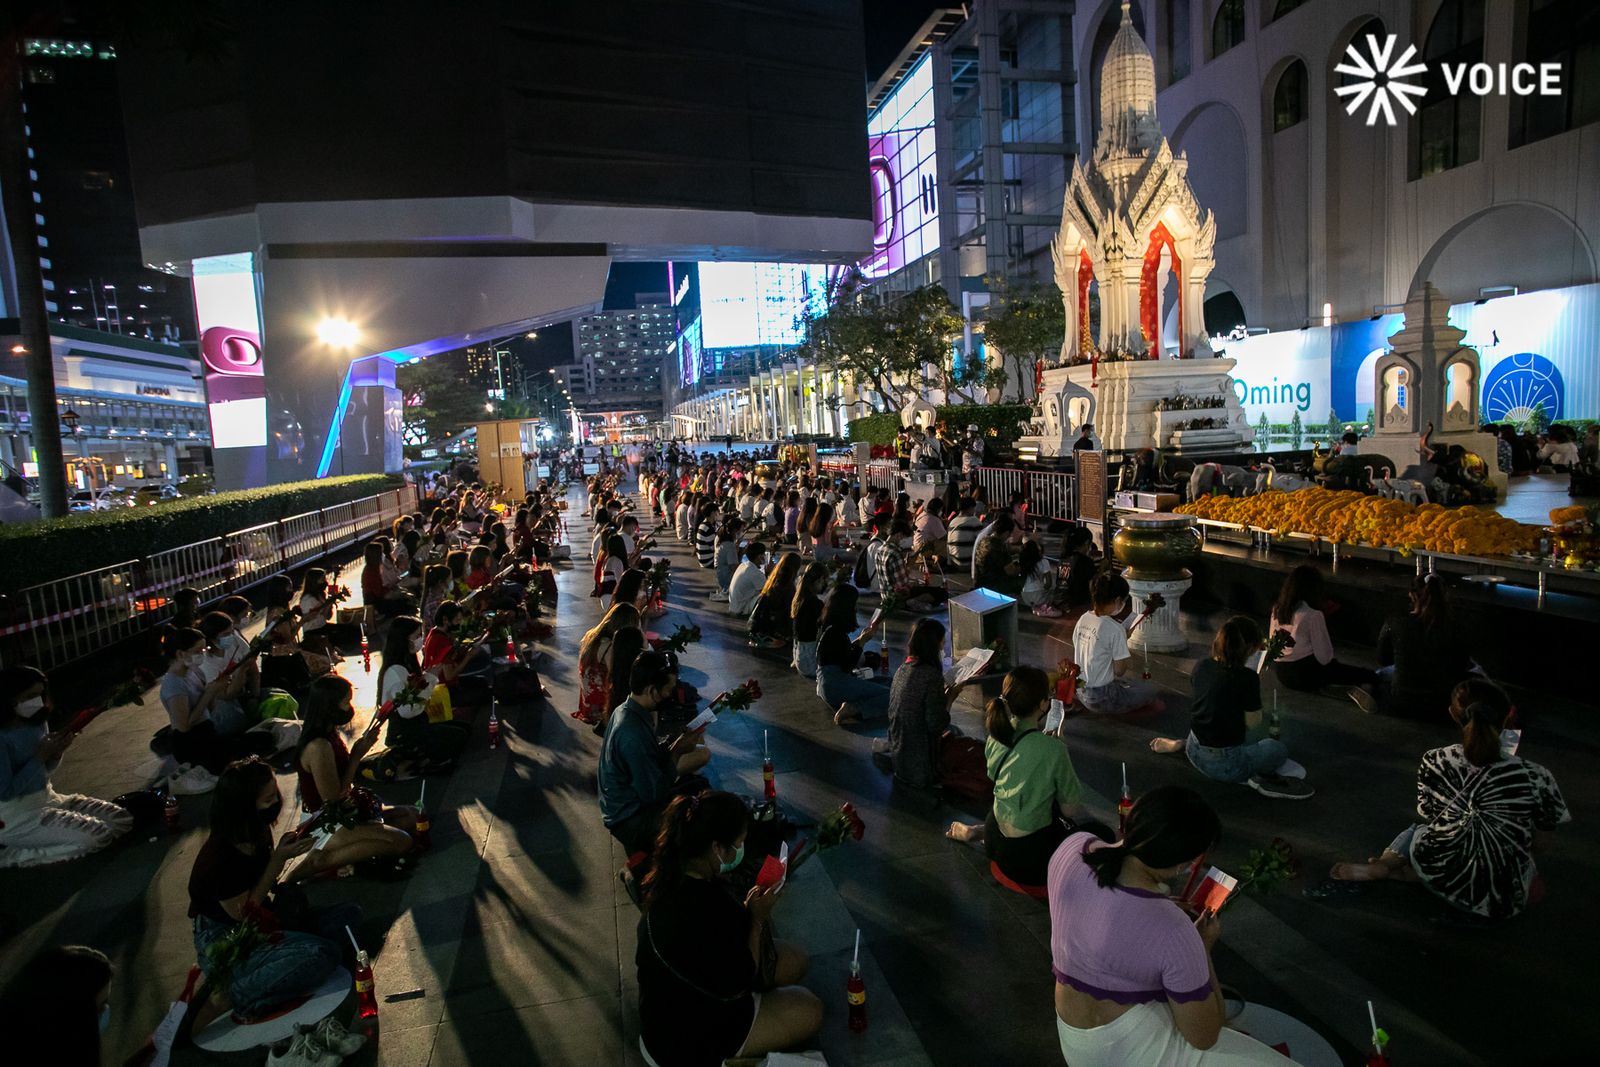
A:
(890, 566)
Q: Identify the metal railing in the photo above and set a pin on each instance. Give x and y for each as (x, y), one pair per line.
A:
(882, 474)
(56, 623)
(1049, 493)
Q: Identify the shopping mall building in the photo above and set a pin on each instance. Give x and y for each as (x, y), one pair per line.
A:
(1326, 219)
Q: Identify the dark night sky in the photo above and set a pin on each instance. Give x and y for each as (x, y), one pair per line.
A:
(889, 25)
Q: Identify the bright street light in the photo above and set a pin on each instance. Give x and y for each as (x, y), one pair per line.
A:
(337, 333)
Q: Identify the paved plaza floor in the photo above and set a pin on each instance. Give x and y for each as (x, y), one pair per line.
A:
(518, 936)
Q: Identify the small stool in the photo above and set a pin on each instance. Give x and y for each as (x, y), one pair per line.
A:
(1037, 892)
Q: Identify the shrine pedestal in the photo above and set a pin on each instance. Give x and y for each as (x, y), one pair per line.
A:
(1160, 632)
(1125, 402)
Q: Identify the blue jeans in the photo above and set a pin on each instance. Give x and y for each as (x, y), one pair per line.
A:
(1238, 762)
(836, 686)
(1118, 697)
(279, 972)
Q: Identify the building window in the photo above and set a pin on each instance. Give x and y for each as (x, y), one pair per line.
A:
(1447, 125)
(1178, 40)
(1227, 28)
(1283, 7)
(1566, 32)
(1289, 98)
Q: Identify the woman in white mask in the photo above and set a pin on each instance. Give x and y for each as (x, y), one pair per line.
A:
(417, 742)
(37, 824)
(188, 698)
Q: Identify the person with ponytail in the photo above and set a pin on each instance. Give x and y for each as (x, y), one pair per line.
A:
(1422, 654)
(1226, 705)
(1308, 664)
(187, 698)
(37, 824)
(1037, 794)
(1481, 806)
(714, 984)
(417, 740)
(236, 876)
(1135, 982)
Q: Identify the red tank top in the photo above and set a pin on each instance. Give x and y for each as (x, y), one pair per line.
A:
(308, 784)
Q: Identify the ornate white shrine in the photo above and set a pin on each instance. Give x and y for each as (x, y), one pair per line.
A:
(1129, 220)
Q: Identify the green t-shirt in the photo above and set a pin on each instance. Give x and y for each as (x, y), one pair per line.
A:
(1032, 778)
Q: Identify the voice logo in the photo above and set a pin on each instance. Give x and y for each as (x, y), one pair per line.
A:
(1380, 79)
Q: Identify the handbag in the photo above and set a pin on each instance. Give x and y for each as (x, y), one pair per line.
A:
(962, 770)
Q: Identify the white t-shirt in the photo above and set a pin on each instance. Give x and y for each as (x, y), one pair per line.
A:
(394, 679)
(745, 587)
(1036, 586)
(309, 622)
(1098, 642)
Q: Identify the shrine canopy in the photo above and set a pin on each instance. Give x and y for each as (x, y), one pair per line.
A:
(1131, 227)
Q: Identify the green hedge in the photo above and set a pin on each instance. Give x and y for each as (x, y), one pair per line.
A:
(56, 548)
(1003, 418)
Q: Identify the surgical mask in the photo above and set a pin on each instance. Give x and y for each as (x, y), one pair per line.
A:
(738, 858)
(30, 707)
(269, 815)
(105, 1018)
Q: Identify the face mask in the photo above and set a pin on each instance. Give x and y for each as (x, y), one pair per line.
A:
(269, 815)
(105, 1018)
(30, 707)
(738, 858)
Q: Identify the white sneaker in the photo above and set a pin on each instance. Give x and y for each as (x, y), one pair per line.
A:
(302, 1051)
(1289, 769)
(719, 596)
(330, 1034)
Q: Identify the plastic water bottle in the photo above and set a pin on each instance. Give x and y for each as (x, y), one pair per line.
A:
(856, 996)
(170, 816)
(494, 730)
(1274, 725)
(366, 988)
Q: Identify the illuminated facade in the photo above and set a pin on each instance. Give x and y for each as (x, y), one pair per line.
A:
(621, 355)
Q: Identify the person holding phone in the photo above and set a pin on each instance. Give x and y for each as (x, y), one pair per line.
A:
(713, 981)
(1134, 978)
(639, 773)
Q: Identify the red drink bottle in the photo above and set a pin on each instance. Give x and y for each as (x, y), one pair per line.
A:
(769, 779)
(420, 836)
(366, 653)
(1124, 806)
(494, 730)
(511, 650)
(169, 812)
(366, 990)
(856, 994)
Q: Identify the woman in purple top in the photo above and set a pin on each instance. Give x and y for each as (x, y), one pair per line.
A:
(1134, 980)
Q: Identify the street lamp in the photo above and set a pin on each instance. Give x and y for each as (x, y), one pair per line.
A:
(71, 419)
(337, 333)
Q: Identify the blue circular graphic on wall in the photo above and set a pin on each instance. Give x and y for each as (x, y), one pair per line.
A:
(1518, 384)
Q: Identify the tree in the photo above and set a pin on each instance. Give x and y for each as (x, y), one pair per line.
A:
(1025, 325)
(924, 325)
(1335, 427)
(853, 337)
(437, 399)
(1538, 419)
(1372, 420)
(1263, 428)
(1296, 430)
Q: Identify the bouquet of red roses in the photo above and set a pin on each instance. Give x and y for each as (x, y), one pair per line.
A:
(338, 594)
(738, 698)
(659, 580)
(834, 829)
(1277, 644)
(679, 640)
(127, 692)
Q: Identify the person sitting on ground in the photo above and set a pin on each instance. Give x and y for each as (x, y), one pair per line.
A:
(681, 516)
(808, 516)
(1100, 649)
(221, 657)
(594, 662)
(610, 565)
(889, 571)
(62, 996)
(386, 598)
(806, 615)
(185, 607)
(1039, 590)
(1308, 665)
(1135, 983)
(929, 535)
(748, 580)
(1481, 808)
(236, 877)
(458, 663)
(705, 955)
(457, 562)
(994, 557)
(37, 824)
(629, 644)
(705, 535)
(770, 623)
(419, 742)
(480, 571)
(1227, 704)
(962, 534)
(286, 665)
(727, 556)
(1078, 566)
(436, 588)
(241, 611)
(1423, 654)
(822, 531)
(634, 588)
(327, 771)
(1037, 795)
(850, 698)
(919, 708)
(790, 513)
(187, 699)
(638, 773)
(316, 612)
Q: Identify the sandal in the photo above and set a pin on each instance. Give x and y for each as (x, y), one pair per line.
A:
(1336, 889)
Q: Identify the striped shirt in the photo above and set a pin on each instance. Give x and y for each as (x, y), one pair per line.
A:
(705, 543)
(961, 536)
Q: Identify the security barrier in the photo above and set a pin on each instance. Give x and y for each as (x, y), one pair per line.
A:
(58, 622)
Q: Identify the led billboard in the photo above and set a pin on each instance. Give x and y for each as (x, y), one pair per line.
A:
(901, 167)
(745, 305)
(228, 313)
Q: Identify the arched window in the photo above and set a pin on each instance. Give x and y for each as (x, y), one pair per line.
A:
(1289, 98)
(1448, 125)
(1227, 28)
(1283, 7)
(1566, 32)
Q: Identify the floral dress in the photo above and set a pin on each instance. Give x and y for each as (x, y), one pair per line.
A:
(594, 688)
(1474, 847)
